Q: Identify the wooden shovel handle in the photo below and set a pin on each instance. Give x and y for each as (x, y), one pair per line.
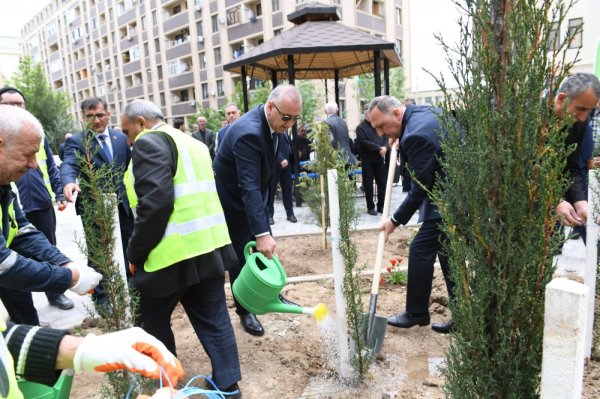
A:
(384, 217)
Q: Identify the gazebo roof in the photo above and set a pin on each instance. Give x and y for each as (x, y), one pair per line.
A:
(319, 47)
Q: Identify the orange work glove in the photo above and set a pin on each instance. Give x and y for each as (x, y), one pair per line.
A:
(132, 349)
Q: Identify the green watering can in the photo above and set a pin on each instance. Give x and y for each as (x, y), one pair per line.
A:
(258, 286)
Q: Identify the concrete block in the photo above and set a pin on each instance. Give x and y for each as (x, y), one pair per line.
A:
(565, 323)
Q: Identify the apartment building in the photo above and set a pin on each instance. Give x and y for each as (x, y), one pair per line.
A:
(172, 52)
(10, 55)
(584, 18)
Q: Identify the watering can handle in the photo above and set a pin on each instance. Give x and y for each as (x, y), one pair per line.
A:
(251, 244)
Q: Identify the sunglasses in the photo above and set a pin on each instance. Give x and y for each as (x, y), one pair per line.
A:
(286, 117)
(94, 116)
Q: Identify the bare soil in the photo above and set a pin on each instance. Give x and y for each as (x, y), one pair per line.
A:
(296, 357)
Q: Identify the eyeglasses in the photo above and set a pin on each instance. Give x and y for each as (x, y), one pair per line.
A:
(91, 117)
(286, 117)
(19, 104)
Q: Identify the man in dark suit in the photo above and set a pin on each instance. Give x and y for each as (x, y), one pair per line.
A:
(419, 132)
(232, 114)
(372, 149)
(61, 147)
(338, 130)
(107, 146)
(244, 165)
(205, 135)
(283, 176)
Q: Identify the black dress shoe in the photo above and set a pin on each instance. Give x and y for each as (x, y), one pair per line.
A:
(61, 302)
(442, 328)
(271, 221)
(286, 301)
(251, 324)
(292, 219)
(372, 212)
(407, 320)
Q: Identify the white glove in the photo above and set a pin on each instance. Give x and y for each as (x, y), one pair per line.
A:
(88, 279)
(132, 349)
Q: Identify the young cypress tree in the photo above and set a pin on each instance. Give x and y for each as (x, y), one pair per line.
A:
(504, 161)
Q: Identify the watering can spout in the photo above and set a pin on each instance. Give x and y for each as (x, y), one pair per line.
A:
(319, 312)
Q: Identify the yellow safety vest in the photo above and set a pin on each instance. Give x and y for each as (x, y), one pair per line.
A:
(197, 224)
(9, 388)
(13, 228)
(42, 158)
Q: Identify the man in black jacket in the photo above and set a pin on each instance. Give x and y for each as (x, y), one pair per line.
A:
(179, 244)
(205, 135)
(577, 96)
(372, 149)
(284, 163)
(418, 130)
(244, 165)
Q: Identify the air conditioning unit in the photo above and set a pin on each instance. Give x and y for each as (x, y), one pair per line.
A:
(200, 39)
(193, 103)
(212, 93)
(129, 38)
(222, 20)
(198, 7)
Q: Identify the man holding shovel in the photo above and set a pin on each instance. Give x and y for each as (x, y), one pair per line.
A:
(418, 130)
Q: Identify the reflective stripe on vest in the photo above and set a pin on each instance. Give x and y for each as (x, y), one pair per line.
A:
(8, 382)
(42, 159)
(197, 224)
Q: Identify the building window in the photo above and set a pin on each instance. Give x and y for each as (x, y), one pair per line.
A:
(398, 16)
(275, 5)
(202, 58)
(204, 91)
(184, 95)
(233, 16)
(217, 53)
(258, 10)
(162, 99)
(144, 22)
(220, 92)
(277, 31)
(159, 71)
(146, 49)
(576, 32)
(399, 47)
(553, 37)
(154, 21)
(215, 23)
(157, 45)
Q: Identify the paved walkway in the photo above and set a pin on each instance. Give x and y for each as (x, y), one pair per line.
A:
(69, 228)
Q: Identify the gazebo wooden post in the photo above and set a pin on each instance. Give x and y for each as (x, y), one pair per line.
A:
(244, 88)
(337, 86)
(274, 78)
(292, 80)
(386, 76)
(377, 72)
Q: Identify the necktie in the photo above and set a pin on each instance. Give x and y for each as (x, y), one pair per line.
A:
(275, 141)
(105, 147)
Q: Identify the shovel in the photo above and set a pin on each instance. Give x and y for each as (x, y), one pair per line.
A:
(376, 325)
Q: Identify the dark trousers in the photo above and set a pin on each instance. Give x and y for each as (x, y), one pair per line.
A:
(205, 305)
(45, 221)
(126, 228)
(374, 171)
(239, 239)
(282, 177)
(421, 257)
(19, 305)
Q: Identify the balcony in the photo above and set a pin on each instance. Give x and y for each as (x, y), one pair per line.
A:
(183, 108)
(184, 79)
(180, 50)
(134, 92)
(126, 17)
(246, 29)
(177, 21)
(131, 67)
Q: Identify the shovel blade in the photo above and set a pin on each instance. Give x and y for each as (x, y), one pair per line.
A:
(376, 334)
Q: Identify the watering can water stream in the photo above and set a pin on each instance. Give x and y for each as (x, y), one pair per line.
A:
(258, 286)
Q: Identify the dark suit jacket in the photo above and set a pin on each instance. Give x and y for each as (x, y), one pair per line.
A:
(243, 167)
(69, 169)
(284, 151)
(369, 143)
(420, 149)
(209, 140)
(339, 136)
